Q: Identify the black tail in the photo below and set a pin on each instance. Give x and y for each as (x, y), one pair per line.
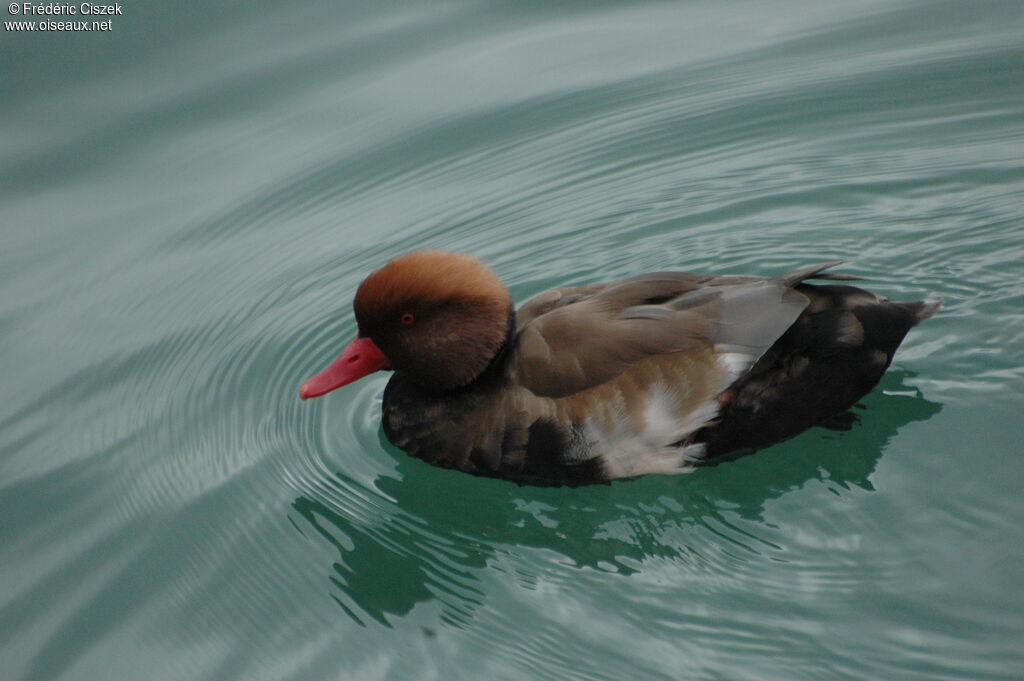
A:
(834, 354)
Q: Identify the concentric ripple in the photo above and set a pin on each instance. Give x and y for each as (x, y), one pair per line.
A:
(185, 229)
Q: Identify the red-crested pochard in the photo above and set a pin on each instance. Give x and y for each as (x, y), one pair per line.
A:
(657, 373)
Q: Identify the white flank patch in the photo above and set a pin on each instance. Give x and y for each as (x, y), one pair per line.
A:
(648, 444)
(661, 416)
(734, 363)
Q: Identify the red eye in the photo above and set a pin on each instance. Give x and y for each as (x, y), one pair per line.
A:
(408, 319)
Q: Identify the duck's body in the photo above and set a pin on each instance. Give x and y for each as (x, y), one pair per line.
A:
(653, 374)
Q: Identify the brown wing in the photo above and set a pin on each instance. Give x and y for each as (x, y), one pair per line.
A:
(654, 287)
(555, 298)
(575, 338)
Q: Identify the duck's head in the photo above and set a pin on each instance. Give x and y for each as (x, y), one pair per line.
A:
(438, 317)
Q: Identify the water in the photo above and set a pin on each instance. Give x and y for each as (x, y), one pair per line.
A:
(189, 201)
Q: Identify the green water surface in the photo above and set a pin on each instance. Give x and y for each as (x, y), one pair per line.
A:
(188, 201)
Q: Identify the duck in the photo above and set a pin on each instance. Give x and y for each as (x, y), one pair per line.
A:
(658, 373)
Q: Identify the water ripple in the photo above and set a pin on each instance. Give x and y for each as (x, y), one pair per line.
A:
(170, 504)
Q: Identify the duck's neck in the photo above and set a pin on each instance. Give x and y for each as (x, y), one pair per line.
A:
(495, 369)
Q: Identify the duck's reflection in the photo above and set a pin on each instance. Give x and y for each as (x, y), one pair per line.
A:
(442, 526)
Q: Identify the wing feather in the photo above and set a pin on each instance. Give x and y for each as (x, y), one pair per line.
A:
(578, 337)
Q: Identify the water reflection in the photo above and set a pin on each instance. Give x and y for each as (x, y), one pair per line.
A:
(437, 528)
